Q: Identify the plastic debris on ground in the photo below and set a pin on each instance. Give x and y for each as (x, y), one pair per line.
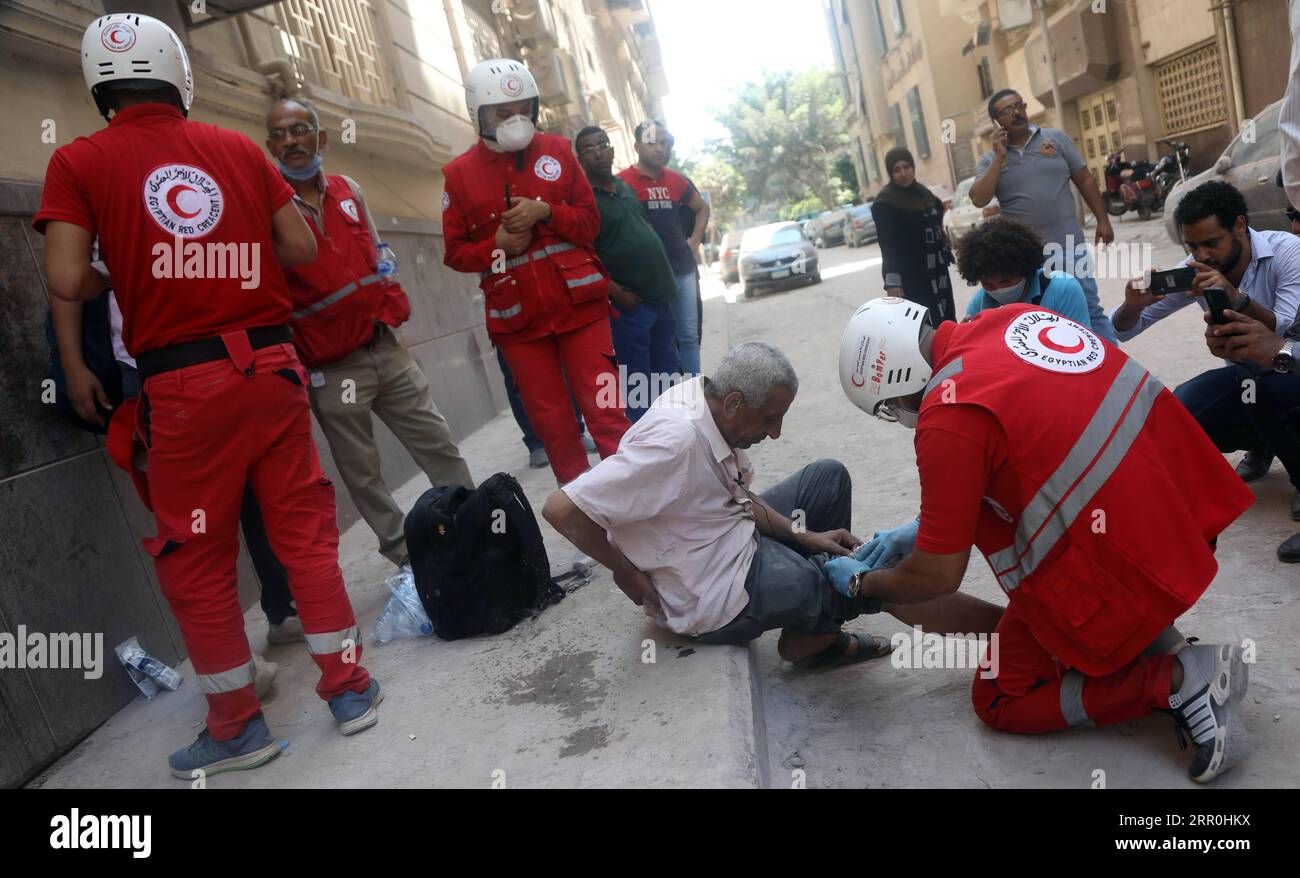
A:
(404, 615)
(146, 671)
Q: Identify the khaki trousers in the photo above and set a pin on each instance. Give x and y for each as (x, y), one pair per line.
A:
(382, 377)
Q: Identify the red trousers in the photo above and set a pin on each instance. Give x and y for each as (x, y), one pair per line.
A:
(586, 356)
(1033, 692)
(209, 428)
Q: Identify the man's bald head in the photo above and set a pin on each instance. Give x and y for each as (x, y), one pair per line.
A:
(294, 104)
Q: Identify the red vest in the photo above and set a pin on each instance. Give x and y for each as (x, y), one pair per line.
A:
(558, 284)
(338, 298)
(1098, 527)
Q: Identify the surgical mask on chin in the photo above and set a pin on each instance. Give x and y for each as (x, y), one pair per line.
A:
(1007, 295)
(515, 133)
(906, 416)
(307, 173)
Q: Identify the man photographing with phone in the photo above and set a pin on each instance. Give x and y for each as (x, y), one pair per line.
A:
(1259, 274)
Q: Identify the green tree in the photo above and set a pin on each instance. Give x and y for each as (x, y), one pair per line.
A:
(786, 137)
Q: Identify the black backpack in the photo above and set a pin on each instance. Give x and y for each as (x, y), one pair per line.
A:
(478, 558)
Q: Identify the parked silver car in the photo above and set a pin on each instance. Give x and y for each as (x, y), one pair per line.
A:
(1250, 165)
(777, 254)
(859, 226)
(964, 215)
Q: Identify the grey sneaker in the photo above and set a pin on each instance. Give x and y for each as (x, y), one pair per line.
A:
(1214, 680)
(538, 459)
(588, 444)
(288, 631)
(255, 746)
(357, 711)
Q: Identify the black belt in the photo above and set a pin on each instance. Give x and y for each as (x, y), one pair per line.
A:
(205, 350)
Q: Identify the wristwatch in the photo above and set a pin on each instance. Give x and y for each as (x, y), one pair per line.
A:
(1284, 360)
(1240, 305)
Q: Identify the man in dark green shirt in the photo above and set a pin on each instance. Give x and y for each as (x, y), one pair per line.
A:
(642, 286)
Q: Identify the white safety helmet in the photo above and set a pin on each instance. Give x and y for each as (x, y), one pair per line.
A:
(128, 47)
(880, 352)
(499, 81)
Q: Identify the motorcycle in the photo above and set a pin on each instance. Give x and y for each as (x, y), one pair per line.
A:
(1141, 185)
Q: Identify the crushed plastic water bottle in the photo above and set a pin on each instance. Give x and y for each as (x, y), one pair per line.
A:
(386, 266)
(404, 615)
(146, 671)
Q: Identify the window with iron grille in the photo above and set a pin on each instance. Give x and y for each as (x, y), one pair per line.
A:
(336, 44)
(918, 122)
(1191, 93)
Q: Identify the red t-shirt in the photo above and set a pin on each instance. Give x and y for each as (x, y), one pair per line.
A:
(151, 176)
(961, 451)
(663, 197)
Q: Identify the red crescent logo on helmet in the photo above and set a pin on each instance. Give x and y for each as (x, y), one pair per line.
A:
(118, 37)
(172, 201)
(1046, 341)
(857, 379)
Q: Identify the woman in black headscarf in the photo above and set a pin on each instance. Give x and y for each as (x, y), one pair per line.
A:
(909, 223)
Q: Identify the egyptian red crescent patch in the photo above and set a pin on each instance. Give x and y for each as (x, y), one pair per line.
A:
(512, 85)
(118, 37)
(185, 201)
(1055, 343)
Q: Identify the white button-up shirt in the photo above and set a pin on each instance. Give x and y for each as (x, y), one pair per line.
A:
(671, 499)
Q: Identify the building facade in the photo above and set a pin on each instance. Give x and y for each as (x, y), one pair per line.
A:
(387, 78)
(1130, 73)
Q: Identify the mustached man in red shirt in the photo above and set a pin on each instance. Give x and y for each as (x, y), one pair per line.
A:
(193, 225)
(1092, 493)
(518, 211)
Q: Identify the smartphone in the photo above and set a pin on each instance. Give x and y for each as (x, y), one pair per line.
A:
(1173, 280)
(1217, 299)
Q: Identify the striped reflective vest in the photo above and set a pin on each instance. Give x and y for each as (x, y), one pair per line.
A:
(557, 284)
(338, 298)
(1099, 526)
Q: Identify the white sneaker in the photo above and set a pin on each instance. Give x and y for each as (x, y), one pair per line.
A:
(288, 631)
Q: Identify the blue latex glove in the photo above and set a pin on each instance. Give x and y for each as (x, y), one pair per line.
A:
(841, 570)
(888, 545)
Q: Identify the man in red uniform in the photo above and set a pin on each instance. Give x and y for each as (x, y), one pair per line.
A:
(191, 220)
(343, 311)
(1091, 492)
(518, 210)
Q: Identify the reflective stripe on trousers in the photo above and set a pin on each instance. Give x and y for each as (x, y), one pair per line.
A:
(330, 642)
(335, 296)
(1072, 700)
(228, 681)
(1095, 455)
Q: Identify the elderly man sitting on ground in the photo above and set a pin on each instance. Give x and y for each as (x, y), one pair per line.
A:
(673, 516)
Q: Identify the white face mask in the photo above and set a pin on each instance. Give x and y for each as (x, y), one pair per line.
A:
(1007, 295)
(515, 133)
(898, 412)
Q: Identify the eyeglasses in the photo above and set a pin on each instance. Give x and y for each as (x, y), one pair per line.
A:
(1019, 106)
(593, 148)
(297, 131)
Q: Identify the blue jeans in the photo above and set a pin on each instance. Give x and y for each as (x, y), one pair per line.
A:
(1215, 399)
(531, 442)
(1085, 273)
(645, 343)
(686, 315)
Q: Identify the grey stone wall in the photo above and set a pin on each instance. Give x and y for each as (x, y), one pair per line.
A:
(71, 525)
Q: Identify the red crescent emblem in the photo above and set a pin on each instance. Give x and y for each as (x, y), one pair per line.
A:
(1048, 343)
(857, 380)
(176, 208)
